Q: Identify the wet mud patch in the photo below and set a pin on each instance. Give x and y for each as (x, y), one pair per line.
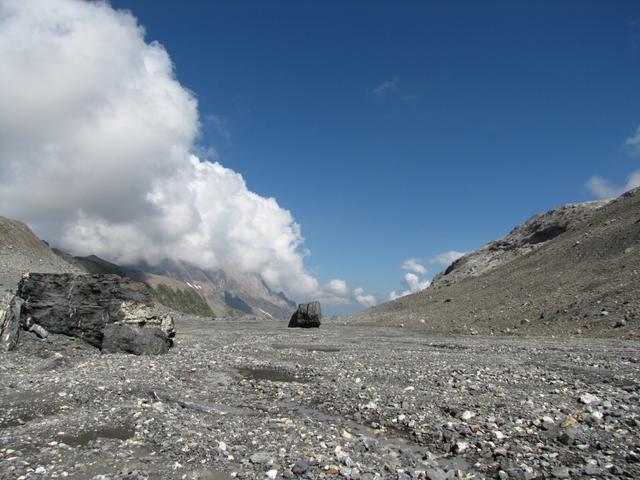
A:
(326, 349)
(271, 374)
(121, 432)
(307, 348)
(448, 346)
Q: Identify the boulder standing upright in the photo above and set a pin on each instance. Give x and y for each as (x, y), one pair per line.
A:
(308, 315)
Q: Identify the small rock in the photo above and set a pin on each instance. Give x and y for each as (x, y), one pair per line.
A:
(301, 466)
(436, 474)
(260, 458)
(500, 452)
(547, 423)
(467, 415)
(561, 472)
(461, 446)
(589, 399)
(569, 422)
(568, 437)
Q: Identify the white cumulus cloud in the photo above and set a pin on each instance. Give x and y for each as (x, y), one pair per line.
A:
(338, 292)
(364, 299)
(97, 151)
(603, 188)
(413, 284)
(446, 258)
(414, 265)
(338, 287)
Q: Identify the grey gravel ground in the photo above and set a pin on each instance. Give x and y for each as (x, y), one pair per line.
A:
(257, 400)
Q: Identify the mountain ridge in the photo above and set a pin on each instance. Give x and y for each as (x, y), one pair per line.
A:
(583, 279)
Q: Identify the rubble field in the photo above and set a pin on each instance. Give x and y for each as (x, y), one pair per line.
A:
(254, 399)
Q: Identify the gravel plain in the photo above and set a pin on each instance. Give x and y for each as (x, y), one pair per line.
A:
(254, 399)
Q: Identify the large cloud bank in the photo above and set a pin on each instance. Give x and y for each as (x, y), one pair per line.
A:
(96, 151)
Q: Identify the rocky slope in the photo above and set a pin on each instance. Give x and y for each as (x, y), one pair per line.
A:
(21, 251)
(574, 270)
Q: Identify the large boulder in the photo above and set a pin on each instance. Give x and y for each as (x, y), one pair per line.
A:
(308, 315)
(139, 341)
(107, 311)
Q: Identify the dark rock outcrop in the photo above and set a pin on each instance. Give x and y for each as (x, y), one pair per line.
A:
(308, 315)
(107, 311)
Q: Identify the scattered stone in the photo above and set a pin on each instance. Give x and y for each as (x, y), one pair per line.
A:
(467, 415)
(561, 472)
(260, 458)
(461, 447)
(301, 466)
(40, 331)
(547, 423)
(568, 436)
(589, 399)
(569, 422)
(436, 474)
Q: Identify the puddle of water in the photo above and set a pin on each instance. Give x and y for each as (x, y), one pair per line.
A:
(83, 438)
(271, 374)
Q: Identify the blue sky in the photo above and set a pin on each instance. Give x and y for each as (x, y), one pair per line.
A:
(394, 130)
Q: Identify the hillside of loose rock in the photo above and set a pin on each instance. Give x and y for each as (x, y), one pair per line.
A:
(21, 251)
(572, 271)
